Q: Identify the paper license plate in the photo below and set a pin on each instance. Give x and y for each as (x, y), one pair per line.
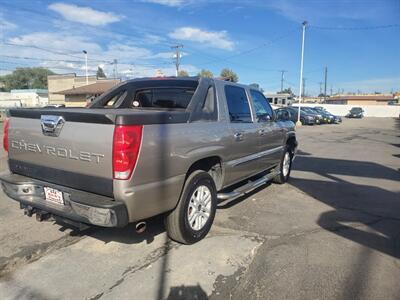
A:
(53, 195)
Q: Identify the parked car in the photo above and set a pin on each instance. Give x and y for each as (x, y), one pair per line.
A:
(292, 113)
(336, 119)
(319, 117)
(355, 112)
(172, 146)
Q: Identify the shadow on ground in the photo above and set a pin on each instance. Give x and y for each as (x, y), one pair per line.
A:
(376, 208)
(187, 293)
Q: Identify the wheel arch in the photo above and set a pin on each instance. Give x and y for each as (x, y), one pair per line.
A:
(210, 164)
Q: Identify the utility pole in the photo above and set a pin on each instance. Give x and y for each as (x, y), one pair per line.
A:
(133, 71)
(303, 83)
(87, 79)
(282, 78)
(320, 87)
(301, 71)
(177, 57)
(116, 67)
(331, 90)
(326, 81)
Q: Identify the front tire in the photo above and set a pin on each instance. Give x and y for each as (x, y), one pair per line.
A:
(285, 167)
(192, 218)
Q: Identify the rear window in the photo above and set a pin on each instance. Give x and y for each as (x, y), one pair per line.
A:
(172, 98)
(169, 94)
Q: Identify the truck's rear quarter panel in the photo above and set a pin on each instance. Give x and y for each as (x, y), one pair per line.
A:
(166, 154)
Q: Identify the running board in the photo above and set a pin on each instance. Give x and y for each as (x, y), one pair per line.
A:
(248, 187)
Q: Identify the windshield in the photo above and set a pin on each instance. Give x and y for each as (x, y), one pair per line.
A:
(356, 109)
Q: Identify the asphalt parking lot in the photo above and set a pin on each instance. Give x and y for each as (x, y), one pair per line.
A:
(332, 232)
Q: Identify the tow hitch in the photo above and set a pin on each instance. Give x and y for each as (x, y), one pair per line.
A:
(40, 214)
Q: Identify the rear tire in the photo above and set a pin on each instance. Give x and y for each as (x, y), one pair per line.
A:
(192, 218)
(285, 167)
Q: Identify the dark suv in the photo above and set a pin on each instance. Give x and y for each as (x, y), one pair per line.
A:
(355, 112)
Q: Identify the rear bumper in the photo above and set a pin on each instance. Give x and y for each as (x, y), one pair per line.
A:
(79, 206)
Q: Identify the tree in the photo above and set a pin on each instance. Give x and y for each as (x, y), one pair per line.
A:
(229, 74)
(286, 91)
(205, 73)
(26, 78)
(100, 73)
(183, 73)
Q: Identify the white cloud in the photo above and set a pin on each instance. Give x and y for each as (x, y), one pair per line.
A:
(153, 39)
(138, 71)
(133, 61)
(124, 51)
(85, 15)
(172, 3)
(56, 41)
(216, 39)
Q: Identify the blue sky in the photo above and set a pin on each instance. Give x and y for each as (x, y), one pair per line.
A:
(256, 39)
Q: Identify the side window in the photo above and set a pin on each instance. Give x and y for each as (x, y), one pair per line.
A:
(263, 110)
(115, 100)
(143, 98)
(209, 103)
(170, 98)
(238, 104)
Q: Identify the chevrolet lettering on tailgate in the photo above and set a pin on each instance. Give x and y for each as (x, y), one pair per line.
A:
(57, 151)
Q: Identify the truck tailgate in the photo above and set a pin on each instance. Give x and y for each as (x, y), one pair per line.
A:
(77, 154)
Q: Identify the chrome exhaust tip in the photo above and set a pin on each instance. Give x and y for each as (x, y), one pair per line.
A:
(140, 227)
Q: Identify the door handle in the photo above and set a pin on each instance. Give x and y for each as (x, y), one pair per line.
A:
(238, 136)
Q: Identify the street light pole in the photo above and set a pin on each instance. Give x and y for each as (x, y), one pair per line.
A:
(298, 123)
(87, 79)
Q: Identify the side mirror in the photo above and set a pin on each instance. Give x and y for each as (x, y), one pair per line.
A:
(264, 118)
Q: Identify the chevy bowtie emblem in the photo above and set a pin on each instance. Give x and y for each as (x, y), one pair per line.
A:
(51, 125)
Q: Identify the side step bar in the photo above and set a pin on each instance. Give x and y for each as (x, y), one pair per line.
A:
(248, 187)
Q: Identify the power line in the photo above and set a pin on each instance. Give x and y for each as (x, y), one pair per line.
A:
(42, 59)
(356, 28)
(266, 44)
(50, 51)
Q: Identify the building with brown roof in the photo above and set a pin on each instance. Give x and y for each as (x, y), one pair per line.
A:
(379, 99)
(58, 84)
(80, 96)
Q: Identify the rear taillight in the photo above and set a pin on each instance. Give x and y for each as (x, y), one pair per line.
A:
(126, 146)
(6, 125)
